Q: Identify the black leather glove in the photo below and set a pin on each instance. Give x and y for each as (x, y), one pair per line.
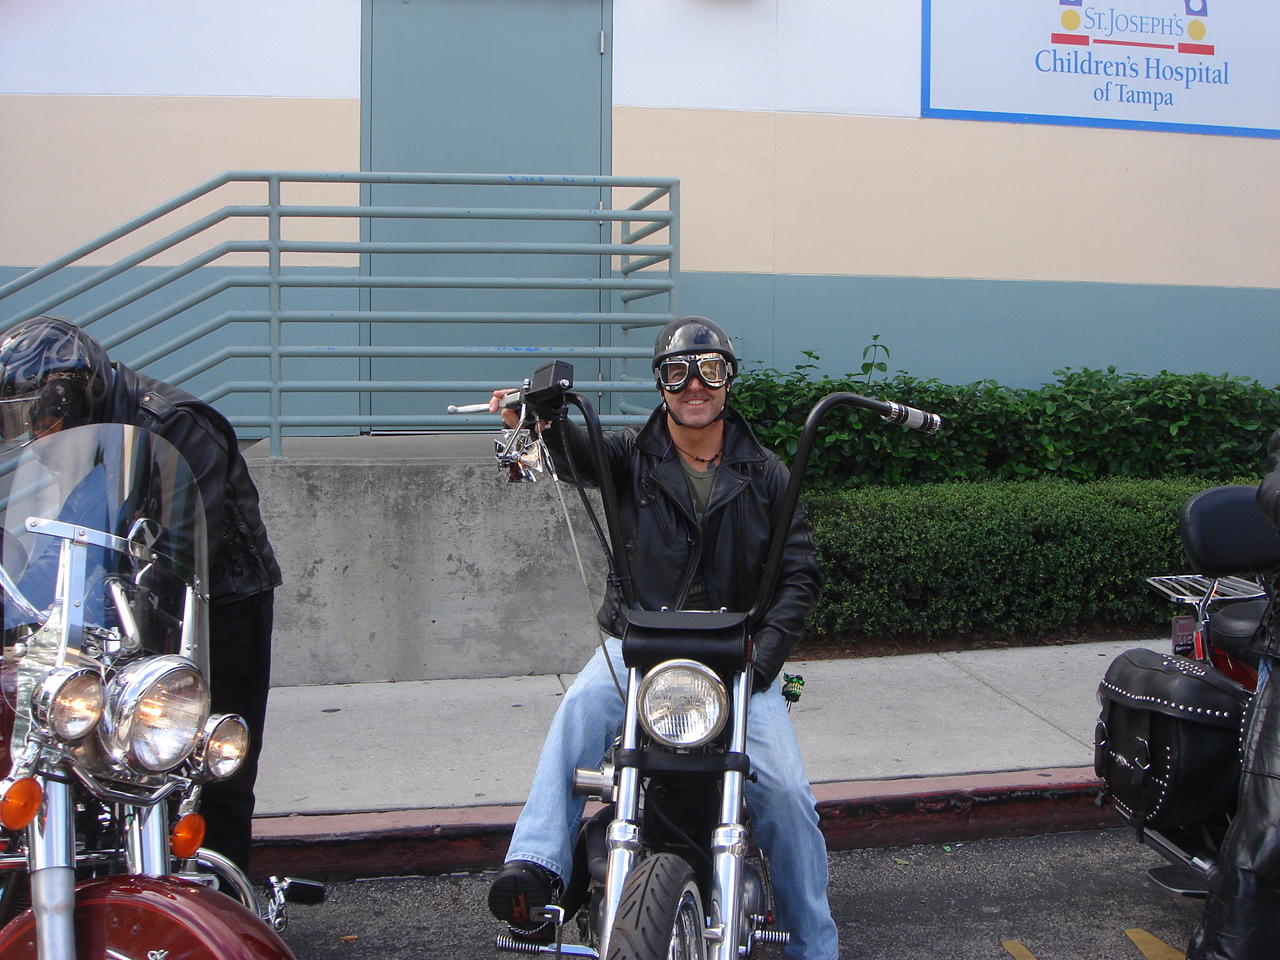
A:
(770, 653)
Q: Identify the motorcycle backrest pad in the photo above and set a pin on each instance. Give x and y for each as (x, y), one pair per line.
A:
(1167, 742)
(1224, 531)
(718, 640)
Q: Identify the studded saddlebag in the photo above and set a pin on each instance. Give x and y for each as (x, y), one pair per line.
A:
(1168, 739)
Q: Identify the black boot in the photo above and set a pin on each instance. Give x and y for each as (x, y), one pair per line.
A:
(520, 893)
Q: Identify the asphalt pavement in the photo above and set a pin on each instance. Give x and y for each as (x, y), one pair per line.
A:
(428, 776)
(1082, 895)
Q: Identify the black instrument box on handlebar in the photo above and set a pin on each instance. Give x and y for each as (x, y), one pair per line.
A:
(548, 385)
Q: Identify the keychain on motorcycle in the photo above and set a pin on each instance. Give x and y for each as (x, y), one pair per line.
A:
(792, 687)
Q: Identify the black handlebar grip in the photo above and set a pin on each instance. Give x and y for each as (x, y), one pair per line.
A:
(913, 418)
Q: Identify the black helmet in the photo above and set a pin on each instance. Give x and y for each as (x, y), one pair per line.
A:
(51, 371)
(692, 336)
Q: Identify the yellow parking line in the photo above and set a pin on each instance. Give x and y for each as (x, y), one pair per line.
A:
(1153, 948)
(1017, 950)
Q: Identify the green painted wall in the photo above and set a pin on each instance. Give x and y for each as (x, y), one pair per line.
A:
(1016, 333)
(228, 301)
(957, 331)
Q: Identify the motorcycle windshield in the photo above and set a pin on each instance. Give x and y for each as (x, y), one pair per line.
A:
(104, 539)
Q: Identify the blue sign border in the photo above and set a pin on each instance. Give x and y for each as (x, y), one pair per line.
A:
(926, 41)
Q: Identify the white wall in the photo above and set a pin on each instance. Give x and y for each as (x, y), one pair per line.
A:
(227, 48)
(858, 57)
(795, 125)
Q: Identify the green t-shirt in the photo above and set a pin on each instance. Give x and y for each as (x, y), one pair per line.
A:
(700, 484)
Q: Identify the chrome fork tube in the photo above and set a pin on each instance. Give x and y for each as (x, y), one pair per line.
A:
(147, 840)
(729, 841)
(622, 839)
(53, 873)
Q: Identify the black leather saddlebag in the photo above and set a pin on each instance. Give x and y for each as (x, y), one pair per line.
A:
(720, 640)
(1168, 739)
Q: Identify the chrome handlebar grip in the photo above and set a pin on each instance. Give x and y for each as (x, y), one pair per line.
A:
(929, 423)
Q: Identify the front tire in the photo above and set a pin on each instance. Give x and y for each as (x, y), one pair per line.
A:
(660, 914)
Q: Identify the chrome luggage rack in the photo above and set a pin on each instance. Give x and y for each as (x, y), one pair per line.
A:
(1195, 589)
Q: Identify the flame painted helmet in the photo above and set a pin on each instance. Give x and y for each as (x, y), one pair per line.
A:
(52, 375)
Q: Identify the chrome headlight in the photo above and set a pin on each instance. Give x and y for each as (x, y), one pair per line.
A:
(223, 746)
(682, 704)
(156, 710)
(68, 701)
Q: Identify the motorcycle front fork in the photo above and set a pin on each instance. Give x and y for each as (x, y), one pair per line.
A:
(147, 841)
(52, 857)
(53, 873)
(52, 861)
(622, 839)
(728, 841)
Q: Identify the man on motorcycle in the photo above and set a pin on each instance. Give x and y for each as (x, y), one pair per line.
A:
(697, 495)
(53, 375)
(1241, 919)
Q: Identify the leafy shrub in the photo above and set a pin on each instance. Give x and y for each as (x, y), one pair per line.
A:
(1087, 425)
(1000, 559)
(1030, 511)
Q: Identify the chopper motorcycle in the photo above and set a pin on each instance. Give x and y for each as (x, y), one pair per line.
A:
(106, 730)
(666, 868)
(1168, 740)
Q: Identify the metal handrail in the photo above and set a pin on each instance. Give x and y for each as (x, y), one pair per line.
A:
(641, 266)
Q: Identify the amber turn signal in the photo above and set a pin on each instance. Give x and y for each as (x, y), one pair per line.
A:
(21, 803)
(187, 835)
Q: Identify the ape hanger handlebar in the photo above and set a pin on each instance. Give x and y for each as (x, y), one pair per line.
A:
(549, 392)
(889, 410)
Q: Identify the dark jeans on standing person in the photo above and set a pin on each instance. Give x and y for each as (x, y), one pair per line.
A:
(239, 681)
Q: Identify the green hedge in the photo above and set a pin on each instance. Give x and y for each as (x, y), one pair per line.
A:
(1006, 560)
(1087, 425)
(987, 529)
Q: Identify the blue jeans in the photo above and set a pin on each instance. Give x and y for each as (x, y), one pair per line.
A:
(784, 821)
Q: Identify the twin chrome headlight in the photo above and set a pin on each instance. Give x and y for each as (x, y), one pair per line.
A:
(682, 704)
(151, 716)
(68, 701)
(156, 708)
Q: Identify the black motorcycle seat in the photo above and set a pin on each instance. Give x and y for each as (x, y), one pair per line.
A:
(1233, 626)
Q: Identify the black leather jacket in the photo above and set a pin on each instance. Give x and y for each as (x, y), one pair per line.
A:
(1268, 643)
(1241, 918)
(241, 561)
(1269, 491)
(666, 546)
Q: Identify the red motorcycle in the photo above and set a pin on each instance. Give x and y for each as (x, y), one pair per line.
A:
(107, 736)
(1168, 739)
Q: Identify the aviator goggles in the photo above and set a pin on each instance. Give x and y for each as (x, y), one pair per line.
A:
(674, 373)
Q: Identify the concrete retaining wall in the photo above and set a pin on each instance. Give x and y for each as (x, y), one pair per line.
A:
(412, 558)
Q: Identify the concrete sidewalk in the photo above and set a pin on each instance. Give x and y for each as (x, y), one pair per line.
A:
(360, 779)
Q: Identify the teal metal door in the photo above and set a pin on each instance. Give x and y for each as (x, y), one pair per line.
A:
(483, 86)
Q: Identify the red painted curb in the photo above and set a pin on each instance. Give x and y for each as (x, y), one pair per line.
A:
(954, 809)
(853, 815)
